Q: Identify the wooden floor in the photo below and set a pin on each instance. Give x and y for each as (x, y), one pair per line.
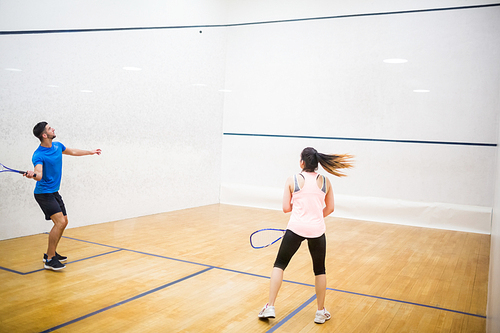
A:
(194, 271)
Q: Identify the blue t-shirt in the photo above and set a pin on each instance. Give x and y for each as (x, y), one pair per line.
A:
(51, 161)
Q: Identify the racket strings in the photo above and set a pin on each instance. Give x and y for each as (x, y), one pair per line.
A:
(3, 168)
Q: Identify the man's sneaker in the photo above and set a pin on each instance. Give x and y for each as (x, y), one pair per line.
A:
(267, 312)
(58, 257)
(322, 316)
(53, 264)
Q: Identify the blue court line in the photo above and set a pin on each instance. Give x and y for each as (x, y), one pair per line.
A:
(11, 270)
(257, 275)
(359, 294)
(28, 32)
(68, 263)
(86, 241)
(292, 314)
(126, 301)
(480, 144)
(140, 252)
(406, 302)
(170, 258)
(288, 281)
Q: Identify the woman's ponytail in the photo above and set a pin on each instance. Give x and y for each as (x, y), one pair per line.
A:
(331, 163)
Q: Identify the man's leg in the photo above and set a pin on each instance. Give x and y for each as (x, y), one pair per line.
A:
(60, 223)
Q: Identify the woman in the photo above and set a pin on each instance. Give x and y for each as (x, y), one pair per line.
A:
(309, 197)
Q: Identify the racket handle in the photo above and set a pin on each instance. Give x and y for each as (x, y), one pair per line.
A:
(25, 172)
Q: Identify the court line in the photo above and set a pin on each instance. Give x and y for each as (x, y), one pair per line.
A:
(140, 252)
(170, 258)
(86, 241)
(411, 11)
(480, 144)
(126, 301)
(11, 270)
(267, 277)
(68, 263)
(407, 302)
(360, 294)
(292, 314)
(289, 281)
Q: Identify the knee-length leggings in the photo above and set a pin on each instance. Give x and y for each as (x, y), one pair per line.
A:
(291, 243)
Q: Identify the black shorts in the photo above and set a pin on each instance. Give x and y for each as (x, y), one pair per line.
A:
(50, 203)
(291, 243)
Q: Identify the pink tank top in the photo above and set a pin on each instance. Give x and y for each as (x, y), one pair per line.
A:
(307, 219)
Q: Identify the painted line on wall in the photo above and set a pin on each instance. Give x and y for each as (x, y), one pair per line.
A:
(413, 11)
(126, 301)
(480, 144)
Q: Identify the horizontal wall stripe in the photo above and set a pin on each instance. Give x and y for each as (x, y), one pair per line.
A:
(413, 11)
(365, 139)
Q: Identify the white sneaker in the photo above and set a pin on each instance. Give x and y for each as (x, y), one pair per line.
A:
(322, 316)
(267, 312)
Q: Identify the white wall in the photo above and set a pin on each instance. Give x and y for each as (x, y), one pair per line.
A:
(159, 128)
(329, 70)
(239, 11)
(21, 15)
(327, 78)
(493, 309)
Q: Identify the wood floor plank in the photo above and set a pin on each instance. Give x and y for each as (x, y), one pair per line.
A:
(193, 270)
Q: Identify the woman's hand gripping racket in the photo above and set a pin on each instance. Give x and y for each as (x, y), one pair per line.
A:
(3, 168)
(265, 237)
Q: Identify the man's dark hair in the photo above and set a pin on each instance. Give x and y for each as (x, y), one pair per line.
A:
(39, 129)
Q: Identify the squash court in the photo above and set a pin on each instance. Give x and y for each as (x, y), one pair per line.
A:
(201, 110)
(193, 270)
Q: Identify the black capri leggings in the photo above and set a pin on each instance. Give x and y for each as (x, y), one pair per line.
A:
(291, 243)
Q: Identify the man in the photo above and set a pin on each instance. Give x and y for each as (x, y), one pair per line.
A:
(47, 160)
